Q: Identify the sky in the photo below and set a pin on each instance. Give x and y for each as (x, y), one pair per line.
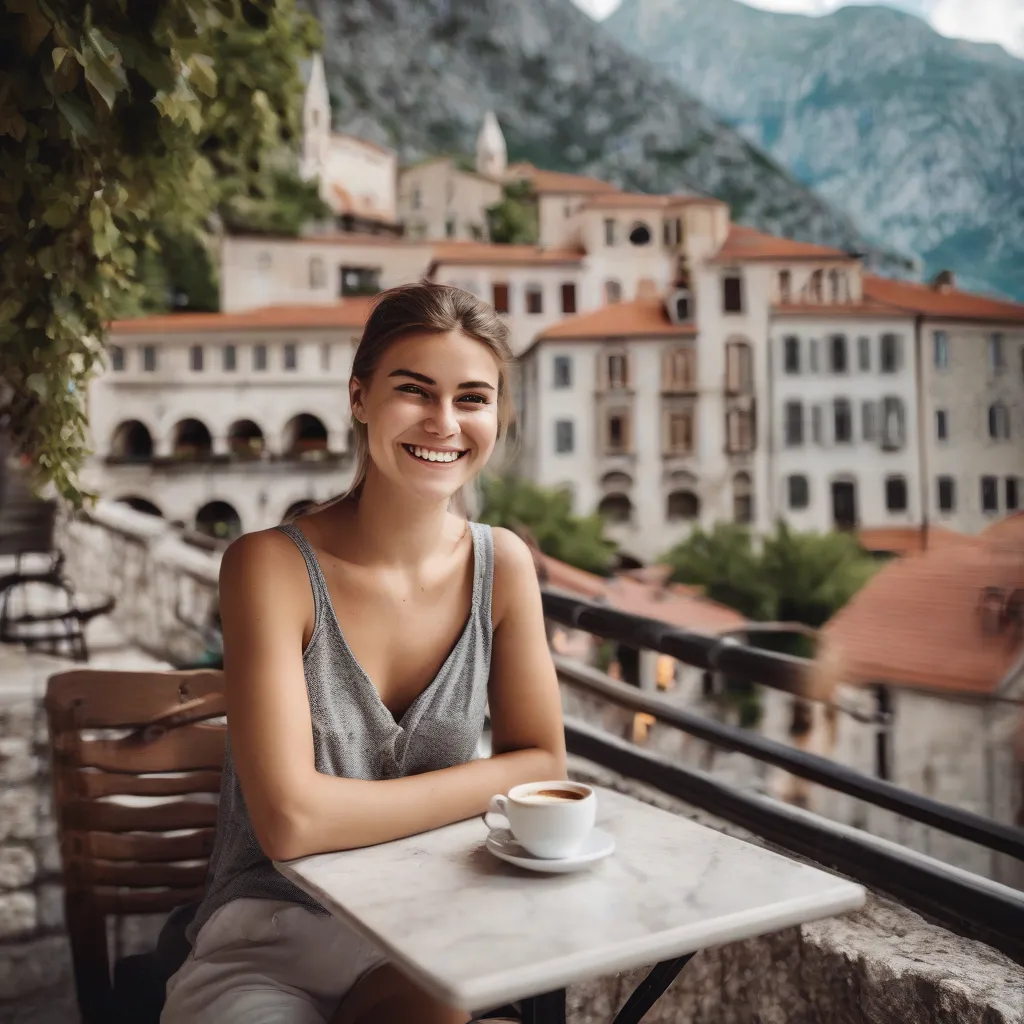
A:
(990, 21)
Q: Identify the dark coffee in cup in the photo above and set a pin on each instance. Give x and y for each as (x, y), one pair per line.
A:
(558, 794)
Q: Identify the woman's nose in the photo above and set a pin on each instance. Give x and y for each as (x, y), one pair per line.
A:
(443, 421)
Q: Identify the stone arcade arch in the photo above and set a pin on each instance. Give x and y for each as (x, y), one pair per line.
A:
(616, 508)
(305, 437)
(191, 441)
(219, 520)
(246, 440)
(131, 442)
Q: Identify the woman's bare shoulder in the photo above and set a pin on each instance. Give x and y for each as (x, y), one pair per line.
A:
(515, 572)
(262, 558)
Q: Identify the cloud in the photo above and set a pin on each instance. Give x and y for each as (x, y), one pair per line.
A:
(989, 21)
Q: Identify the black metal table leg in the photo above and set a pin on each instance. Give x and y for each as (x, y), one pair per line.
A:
(650, 989)
(546, 1009)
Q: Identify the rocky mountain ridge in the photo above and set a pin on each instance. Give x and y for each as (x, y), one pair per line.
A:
(919, 138)
(420, 74)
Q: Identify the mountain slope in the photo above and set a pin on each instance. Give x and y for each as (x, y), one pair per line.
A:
(918, 137)
(420, 74)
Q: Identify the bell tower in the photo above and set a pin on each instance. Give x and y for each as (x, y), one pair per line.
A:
(491, 153)
(316, 122)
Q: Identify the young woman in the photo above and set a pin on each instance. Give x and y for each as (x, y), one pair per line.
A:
(362, 643)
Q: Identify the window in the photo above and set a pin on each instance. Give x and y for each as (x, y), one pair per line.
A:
(640, 235)
(612, 291)
(682, 505)
(259, 357)
(317, 273)
(794, 424)
(998, 422)
(568, 297)
(739, 431)
(678, 370)
(563, 372)
(679, 431)
(195, 358)
(666, 232)
(617, 433)
(989, 494)
(499, 297)
(814, 285)
(563, 436)
(1012, 496)
(116, 358)
(864, 355)
(817, 425)
(785, 286)
(890, 354)
(791, 354)
(896, 494)
(228, 358)
(739, 368)
(996, 355)
(616, 508)
(941, 425)
(291, 356)
(837, 286)
(842, 418)
(679, 230)
(732, 293)
(742, 499)
(149, 358)
(534, 299)
(893, 423)
(813, 355)
(940, 350)
(609, 231)
(358, 281)
(449, 227)
(617, 367)
(869, 421)
(947, 493)
(325, 356)
(837, 353)
(798, 491)
(683, 307)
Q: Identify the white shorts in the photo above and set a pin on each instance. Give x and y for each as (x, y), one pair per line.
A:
(262, 961)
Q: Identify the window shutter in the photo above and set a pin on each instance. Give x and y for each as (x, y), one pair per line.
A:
(817, 425)
(869, 421)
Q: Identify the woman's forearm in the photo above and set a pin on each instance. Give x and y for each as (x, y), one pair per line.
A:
(335, 813)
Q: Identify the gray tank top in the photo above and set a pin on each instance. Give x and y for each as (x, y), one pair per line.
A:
(354, 734)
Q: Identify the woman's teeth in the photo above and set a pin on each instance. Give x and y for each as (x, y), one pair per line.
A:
(429, 455)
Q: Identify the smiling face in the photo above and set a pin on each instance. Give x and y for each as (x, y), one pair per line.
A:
(431, 412)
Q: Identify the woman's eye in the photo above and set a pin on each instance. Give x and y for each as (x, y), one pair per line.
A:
(474, 399)
(411, 389)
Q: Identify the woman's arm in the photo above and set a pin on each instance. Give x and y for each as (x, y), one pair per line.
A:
(266, 606)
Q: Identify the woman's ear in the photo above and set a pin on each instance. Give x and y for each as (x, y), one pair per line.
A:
(355, 399)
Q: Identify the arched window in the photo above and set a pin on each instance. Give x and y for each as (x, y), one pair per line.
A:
(245, 440)
(317, 273)
(640, 234)
(218, 519)
(191, 441)
(742, 498)
(616, 508)
(131, 442)
(682, 506)
(305, 437)
(617, 482)
(998, 422)
(612, 291)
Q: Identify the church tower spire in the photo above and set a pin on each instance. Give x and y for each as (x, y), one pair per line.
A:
(316, 122)
(491, 153)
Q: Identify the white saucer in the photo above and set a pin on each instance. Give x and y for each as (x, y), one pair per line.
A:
(503, 845)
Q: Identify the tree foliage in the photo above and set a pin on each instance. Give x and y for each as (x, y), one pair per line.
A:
(547, 515)
(122, 124)
(789, 576)
(514, 219)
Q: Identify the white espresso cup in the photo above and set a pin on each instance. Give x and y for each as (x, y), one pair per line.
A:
(549, 819)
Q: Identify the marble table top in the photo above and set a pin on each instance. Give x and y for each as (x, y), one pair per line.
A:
(477, 932)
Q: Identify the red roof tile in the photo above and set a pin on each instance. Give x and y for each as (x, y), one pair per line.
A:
(744, 244)
(641, 200)
(557, 181)
(904, 540)
(943, 303)
(918, 622)
(350, 313)
(642, 318)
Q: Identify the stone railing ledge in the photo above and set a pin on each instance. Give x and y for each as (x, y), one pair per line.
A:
(121, 518)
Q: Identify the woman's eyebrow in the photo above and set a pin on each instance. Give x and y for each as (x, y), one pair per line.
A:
(424, 379)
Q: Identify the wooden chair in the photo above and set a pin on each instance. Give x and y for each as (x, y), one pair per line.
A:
(139, 856)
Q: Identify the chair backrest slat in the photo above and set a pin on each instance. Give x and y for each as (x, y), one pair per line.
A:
(136, 833)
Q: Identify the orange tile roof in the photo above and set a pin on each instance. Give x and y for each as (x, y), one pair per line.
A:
(488, 253)
(747, 244)
(557, 181)
(676, 606)
(941, 303)
(642, 318)
(637, 200)
(350, 313)
(345, 203)
(917, 623)
(903, 540)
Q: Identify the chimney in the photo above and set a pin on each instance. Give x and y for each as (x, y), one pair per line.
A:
(944, 281)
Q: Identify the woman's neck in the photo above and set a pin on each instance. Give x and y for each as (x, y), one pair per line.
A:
(389, 530)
